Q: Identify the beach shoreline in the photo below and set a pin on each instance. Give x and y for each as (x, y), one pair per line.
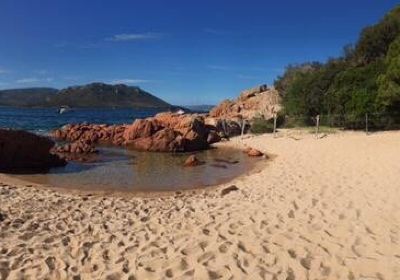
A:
(320, 209)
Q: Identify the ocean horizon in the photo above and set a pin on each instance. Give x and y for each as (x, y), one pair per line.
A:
(44, 120)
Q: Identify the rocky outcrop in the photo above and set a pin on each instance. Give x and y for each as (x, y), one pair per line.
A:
(230, 115)
(259, 101)
(91, 133)
(24, 152)
(77, 147)
(165, 132)
(80, 150)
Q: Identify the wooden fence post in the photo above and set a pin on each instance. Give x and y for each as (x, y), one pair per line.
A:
(275, 117)
(366, 123)
(317, 127)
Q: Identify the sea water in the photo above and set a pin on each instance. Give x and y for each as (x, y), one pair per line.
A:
(43, 120)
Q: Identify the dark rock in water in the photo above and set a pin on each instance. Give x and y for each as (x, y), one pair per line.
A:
(229, 189)
(219, 165)
(191, 161)
(24, 152)
(221, 160)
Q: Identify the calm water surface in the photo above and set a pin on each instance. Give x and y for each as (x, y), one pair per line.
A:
(43, 120)
(122, 169)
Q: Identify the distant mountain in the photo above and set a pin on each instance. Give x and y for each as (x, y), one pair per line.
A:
(91, 95)
(200, 108)
(27, 97)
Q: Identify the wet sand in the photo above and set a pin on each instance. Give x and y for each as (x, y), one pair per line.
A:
(321, 209)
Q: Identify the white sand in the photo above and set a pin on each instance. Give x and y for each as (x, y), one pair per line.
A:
(321, 209)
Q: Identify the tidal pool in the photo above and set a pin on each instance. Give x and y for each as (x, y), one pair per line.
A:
(127, 170)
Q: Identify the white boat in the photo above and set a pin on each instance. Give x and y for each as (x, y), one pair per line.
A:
(64, 109)
(180, 112)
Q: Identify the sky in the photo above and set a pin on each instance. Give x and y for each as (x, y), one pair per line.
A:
(185, 52)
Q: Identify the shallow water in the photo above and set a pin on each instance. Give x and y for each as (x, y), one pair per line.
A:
(121, 169)
(126, 170)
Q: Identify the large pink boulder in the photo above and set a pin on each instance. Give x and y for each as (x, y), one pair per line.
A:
(140, 129)
(165, 132)
(165, 140)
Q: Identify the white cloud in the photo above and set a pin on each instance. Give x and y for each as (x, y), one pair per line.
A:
(124, 37)
(34, 80)
(130, 81)
(27, 81)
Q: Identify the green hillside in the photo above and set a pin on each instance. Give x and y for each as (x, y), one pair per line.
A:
(91, 95)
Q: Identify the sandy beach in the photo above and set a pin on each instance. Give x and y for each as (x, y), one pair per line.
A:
(319, 209)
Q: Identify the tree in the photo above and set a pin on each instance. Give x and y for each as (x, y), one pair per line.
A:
(375, 40)
(366, 79)
(388, 98)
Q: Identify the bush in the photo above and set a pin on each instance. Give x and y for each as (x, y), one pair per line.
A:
(260, 125)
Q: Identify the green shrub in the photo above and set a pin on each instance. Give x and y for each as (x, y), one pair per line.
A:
(260, 125)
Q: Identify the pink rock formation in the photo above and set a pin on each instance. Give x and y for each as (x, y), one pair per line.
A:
(230, 115)
(259, 101)
(165, 132)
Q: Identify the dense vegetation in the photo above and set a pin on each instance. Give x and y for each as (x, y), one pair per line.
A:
(365, 79)
(91, 95)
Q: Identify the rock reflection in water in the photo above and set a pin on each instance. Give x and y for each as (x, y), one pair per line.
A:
(120, 169)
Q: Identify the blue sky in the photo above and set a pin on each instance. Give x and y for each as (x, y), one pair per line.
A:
(186, 52)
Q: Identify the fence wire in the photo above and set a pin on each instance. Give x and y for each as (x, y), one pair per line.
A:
(369, 122)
